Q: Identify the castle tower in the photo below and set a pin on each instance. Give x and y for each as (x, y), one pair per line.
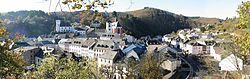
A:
(58, 22)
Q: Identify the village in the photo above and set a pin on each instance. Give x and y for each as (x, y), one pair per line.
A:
(111, 49)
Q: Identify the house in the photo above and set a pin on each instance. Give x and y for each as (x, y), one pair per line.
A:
(102, 47)
(193, 47)
(47, 49)
(81, 47)
(170, 67)
(206, 36)
(86, 47)
(216, 53)
(153, 44)
(167, 38)
(108, 59)
(113, 27)
(30, 54)
(80, 31)
(139, 49)
(39, 56)
(109, 36)
(231, 63)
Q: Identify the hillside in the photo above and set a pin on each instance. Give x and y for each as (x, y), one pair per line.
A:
(147, 21)
(151, 21)
(203, 20)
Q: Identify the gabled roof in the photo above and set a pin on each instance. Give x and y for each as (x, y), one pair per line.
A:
(133, 54)
(80, 29)
(231, 58)
(129, 48)
(110, 55)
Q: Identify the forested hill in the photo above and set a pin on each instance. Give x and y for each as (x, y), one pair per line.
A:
(147, 21)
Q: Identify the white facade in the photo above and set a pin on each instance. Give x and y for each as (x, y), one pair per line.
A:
(107, 60)
(231, 63)
(113, 27)
(81, 47)
(81, 32)
(108, 27)
(104, 62)
(214, 52)
(166, 38)
(194, 49)
(60, 28)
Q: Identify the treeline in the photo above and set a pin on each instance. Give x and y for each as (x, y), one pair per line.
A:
(147, 21)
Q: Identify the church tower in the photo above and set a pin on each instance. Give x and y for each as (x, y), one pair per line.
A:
(58, 22)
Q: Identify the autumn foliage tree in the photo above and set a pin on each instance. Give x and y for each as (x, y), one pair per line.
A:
(243, 39)
(65, 68)
(150, 68)
(11, 64)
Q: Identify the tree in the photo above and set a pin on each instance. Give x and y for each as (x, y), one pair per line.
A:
(11, 64)
(65, 68)
(114, 14)
(203, 29)
(149, 67)
(87, 4)
(243, 40)
(244, 15)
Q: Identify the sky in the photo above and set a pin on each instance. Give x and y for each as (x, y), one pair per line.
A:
(204, 8)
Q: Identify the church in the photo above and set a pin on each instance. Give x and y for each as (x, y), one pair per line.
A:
(63, 28)
(113, 27)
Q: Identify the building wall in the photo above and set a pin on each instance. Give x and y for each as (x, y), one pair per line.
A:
(38, 61)
(29, 55)
(104, 62)
(108, 27)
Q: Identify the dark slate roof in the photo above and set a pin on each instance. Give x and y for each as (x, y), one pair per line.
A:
(47, 42)
(79, 29)
(119, 25)
(65, 24)
(196, 44)
(96, 21)
(154, 42)
(21, 44)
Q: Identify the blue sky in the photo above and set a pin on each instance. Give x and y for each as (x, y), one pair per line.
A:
(203, 8)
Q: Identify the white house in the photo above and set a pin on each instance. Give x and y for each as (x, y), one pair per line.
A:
(102, 47)
(80, 47)
(80, 31)
(231, 63)
(167, 38)
(195, 48)
(107, 60)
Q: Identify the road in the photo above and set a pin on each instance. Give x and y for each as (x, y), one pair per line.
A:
(193, 64)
